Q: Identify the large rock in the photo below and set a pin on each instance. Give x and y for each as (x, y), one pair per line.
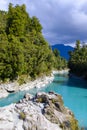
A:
(3, 93)
(42, 112)
(6, 88)
(28, 96)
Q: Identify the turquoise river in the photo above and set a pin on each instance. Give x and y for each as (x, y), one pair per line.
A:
(73, 91)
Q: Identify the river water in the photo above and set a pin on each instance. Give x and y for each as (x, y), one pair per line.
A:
(73, 91)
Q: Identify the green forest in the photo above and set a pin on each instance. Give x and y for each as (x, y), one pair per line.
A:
(78, 60)
(24, 52)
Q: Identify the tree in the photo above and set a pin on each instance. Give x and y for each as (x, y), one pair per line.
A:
(56, 52)
(23, 49)
(78, 44)
(35, 24)
(3, 17)
(78, 60)
(17, 20)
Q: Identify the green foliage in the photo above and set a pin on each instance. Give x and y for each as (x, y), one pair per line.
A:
(40, 100)
(78, 60)
(3, 17)
(23, 49)
(56, 52)
(35, 24)
(59, 62)
(74, 124)
(17, 20)
(77, 44)
(22, 116)
(23, 79)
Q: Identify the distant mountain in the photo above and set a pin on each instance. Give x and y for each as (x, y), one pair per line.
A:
(63, 50)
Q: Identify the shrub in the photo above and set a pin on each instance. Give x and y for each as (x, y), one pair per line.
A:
(22, 116)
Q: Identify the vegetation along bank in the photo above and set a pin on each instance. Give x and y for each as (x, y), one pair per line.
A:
(24, 52)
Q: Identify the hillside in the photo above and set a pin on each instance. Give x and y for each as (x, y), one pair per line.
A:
(24, 52)
(63, 50)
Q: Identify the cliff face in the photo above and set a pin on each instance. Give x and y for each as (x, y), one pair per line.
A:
(42, 112)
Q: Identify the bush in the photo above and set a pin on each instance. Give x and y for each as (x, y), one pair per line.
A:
(22, 116)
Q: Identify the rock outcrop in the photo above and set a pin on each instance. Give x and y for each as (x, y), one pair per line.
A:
(6, 88)
(41, 112)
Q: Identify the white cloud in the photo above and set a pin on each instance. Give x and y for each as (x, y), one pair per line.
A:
(63, 21)
(3, 5)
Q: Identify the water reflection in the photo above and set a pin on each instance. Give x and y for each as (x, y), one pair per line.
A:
(76, 82)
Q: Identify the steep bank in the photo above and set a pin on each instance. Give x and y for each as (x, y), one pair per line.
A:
(10, 87)
(42, 112)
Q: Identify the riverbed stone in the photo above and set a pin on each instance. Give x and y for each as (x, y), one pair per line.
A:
(28, 96)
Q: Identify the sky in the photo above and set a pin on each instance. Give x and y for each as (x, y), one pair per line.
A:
(63, 21)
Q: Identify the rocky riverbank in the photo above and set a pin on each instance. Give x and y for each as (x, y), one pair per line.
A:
(66, 71)
(10, 87)
(41, 112)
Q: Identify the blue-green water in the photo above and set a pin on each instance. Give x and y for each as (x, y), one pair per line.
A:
(73, 90)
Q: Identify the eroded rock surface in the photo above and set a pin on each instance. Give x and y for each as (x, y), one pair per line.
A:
(10, 87)
(42, 112)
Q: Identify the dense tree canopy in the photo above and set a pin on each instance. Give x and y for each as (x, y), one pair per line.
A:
(23, 49)
(78, 60)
